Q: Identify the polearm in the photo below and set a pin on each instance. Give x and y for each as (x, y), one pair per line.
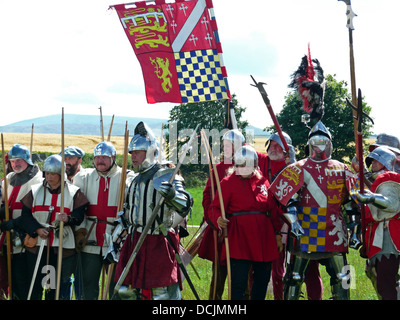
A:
(260, 87)
(215, 234)
(153, 216)
(101, 125)
(109, 131)
(350, 15)
(225, 233)
(61, 229)
(121, 198)
(31, 145)
(7, 214)
(359, 114)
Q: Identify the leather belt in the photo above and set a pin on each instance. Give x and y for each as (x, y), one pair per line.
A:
(241, 213)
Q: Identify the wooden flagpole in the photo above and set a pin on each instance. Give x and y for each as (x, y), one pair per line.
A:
(7, 214)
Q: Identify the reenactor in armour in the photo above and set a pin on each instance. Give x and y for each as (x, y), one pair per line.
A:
(101, 185)
(154, 273)
(23, 176)
(313, 191)
(41, 216)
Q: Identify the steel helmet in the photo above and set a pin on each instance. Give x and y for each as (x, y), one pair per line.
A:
(384, 139)
(19, 151)
(104, 148)
(275, 137)
(246, 156)
(320, 143)
(144, 140)
(53, 164)
(235, 137)
(384, 155)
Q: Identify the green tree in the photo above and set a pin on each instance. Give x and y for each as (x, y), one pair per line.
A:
(337, 118)
(210, 115)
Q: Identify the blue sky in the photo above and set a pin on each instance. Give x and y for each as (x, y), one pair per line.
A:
(74, 55)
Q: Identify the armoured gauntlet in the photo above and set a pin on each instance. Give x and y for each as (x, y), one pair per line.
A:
(376, 199)
(291, 216)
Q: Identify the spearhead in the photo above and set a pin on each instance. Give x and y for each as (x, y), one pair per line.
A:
(260, 87)
(350, 14)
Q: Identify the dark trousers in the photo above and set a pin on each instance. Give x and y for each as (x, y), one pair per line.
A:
(387, 270)
(261, 273)
(19, 276)
(90, 276)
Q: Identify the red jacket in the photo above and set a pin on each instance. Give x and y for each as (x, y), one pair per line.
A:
(269, 169)
(206, 249)
(372, 225)
(250, 236)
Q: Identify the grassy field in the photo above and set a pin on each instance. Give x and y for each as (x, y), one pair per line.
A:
(363, 289)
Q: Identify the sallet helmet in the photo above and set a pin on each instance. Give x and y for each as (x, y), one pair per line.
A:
(384, 139)
(53, 164)
(275, 137)
(246, 156)
(384, 155)
(234, 136)
(144, 140)
(320, 143)
(19, 151)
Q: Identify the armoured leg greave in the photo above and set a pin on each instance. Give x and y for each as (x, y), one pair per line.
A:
(294, 278)
(340, 280)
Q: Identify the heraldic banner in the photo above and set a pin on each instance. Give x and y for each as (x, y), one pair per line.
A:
(178, 49)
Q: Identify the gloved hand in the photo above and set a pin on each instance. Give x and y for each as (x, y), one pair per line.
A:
(167, 190)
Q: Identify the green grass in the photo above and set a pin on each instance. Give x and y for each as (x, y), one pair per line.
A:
(363, 289)
(196, 217)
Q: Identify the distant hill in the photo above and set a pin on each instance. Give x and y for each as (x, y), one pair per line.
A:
(77, 124)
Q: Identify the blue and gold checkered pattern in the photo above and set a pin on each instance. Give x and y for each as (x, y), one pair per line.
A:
(200, 76)
(313, 222)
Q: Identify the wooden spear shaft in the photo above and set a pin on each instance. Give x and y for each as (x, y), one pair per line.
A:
(101, 124)
(109, 131)
(215, 234)
(61, 230)
(31, 145)
(225, 233)
(121, 200)
(7, 213)
(353, 91)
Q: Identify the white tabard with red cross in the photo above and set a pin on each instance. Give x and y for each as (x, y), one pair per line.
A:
(15, 194)
(42, 200)
(322, 188)
(102, 193)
